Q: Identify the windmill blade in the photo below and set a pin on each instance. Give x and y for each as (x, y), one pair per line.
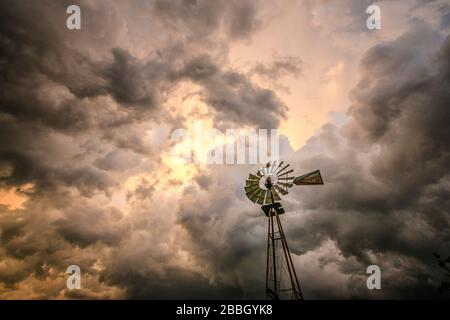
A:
(277, 167)
(267, 166)
(268, 199)
(282, 169)
(251, 183)
(254, 198)
(281, 190)
(275, 195)
(262, 197)
(259, 174)
(273, 167)
(310, 178)
(253, 194)
(287, 172)
(253, 177)
(287, 185)
(288, 181)
(260, 194)
(265, 169)
(286, 178)
(251, 188)
(285, 181)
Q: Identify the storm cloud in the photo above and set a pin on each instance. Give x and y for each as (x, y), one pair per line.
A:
(85, 123)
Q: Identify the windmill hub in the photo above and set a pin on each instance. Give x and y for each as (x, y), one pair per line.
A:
(268, 181)
(268, 184)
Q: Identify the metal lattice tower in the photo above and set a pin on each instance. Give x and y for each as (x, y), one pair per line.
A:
(265, 188)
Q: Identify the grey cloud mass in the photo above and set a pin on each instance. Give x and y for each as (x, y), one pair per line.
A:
(387, 184)
(77, 114)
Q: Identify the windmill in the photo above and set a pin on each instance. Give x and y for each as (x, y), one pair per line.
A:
(265, 188)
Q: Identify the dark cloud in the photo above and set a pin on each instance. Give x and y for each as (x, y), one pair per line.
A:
(233, 97)
(204, 181)
(75, 112)
(75, 109)
(175, 283)
(237, 19)
(386, 184)
(386, 171)
(86, 226)
(279, 67)
(52, 85)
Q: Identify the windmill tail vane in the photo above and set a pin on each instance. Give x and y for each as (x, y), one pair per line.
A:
(266, 188)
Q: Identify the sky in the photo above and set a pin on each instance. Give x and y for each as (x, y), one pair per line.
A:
(88, 176)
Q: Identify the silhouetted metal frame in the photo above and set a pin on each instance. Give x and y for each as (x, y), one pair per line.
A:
(295, 286)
